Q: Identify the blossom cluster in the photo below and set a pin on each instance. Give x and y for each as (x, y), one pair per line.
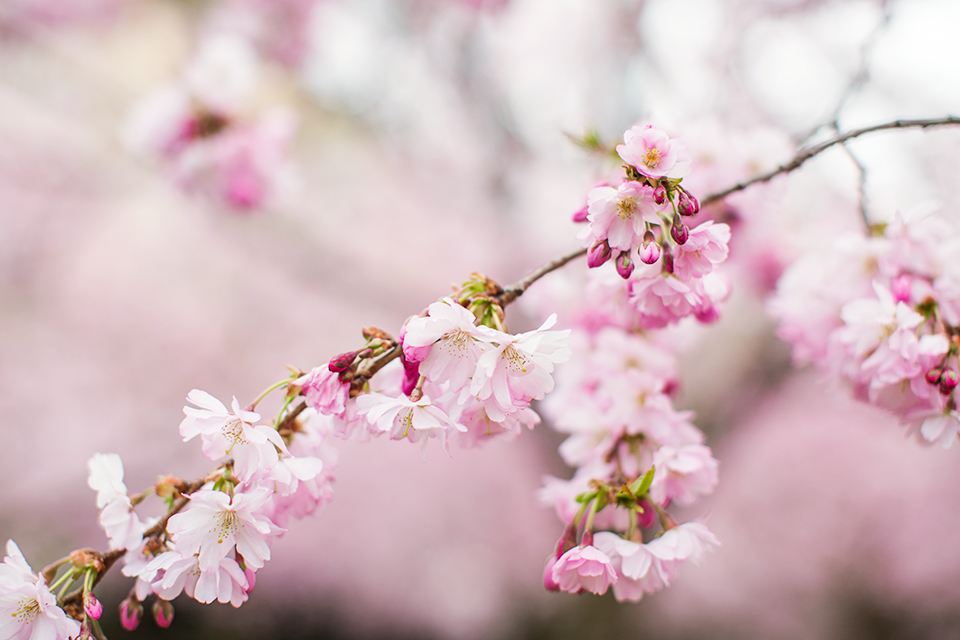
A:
(455, 379)
(881, 314)
(635, 455)
(644, 214)
(212, 548)
(198, 129)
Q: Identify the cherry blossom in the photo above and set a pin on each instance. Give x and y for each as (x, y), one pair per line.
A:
(584, 568)
(651, 152)
(28, 610)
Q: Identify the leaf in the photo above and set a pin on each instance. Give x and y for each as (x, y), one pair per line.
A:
(641, 485)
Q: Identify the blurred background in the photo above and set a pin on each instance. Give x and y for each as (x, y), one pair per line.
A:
(432, 138)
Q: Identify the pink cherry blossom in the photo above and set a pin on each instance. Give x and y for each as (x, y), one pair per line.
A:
(28, 610)
(446, 342)
(323, 390)
(224, 582)
(404, 418)
(584, 568)
(683, 474)
(620, 215)
(517, 368)
(231, 433)
(651, 152)
(213, 525)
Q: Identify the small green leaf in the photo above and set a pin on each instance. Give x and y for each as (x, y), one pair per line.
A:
(641, 485)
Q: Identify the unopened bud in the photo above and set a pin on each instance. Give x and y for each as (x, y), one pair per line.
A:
(586, 540)
(251, 576)
(581, 215)
(660, 194)
(687, 205)
(649, 515)
(598, 253)
(342, 362)
(933, 375)
(900, 288)
(668, 262)
(86, 558)
(548, 582)
(948, 381)
(168, 486)
(163, 613)
(92, 606)
(624, 265)
(679, 231)
(131, 611)
(649, 251)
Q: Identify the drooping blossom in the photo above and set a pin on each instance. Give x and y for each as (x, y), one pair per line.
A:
(584, 568)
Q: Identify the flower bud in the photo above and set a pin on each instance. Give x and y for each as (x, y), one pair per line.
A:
(581, 215)
(649, 251)
(342, 362)
(168, 486)
(251, 576)
(586, 540)
(684, 205)
(598, 253)
(933, 375)
(131, 611)
(624, 264)
(668, 262)
(660, 194)
(679, 231)
(92, 606)
(900, 288)
(548, 582)
(163, 613)
(948, 381)
(649, 515)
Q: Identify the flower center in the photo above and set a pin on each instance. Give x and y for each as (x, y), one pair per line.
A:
(27, 610)
(455, 343)
(516, 362)
(233, 432)
(406, 420)
(626, 207)
(652, 157)
(227, 524)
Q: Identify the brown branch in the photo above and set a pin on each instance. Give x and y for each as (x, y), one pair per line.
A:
(805, 154)
(516, 290)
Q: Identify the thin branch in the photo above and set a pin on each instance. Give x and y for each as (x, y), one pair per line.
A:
(516, 290)
(805, 154)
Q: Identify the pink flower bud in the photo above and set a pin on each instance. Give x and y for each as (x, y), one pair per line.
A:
(668, 262)
(649, 515)
(598, 253)
(933, 375)
(948, 381)
(900, 288)
(251, 576)
(684, 205)
(163, 613)
(679, 231)
(660, 194)
(342, 362)
(411, 375)
(586, 540)
(92, 606)
(695, 203)
(649, 251)
(131, 611)
(548, 582)
(624, 265)
(581, 215)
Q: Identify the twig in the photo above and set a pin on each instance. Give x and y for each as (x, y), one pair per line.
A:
(805, 154)
(516, 290)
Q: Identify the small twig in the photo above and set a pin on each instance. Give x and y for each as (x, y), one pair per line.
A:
(516, 290)
(805, 154)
